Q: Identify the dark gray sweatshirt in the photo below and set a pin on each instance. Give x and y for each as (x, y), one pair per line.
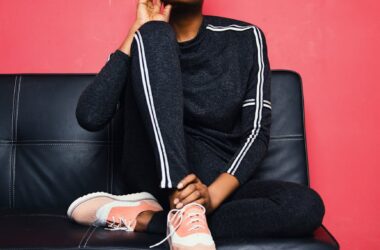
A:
(227, 100)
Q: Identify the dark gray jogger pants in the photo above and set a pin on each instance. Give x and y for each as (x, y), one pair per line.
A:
(160, 153)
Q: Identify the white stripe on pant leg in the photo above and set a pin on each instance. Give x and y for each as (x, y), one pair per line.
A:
(259, 97)
(154, 113)
(166, 165)
(163, 177)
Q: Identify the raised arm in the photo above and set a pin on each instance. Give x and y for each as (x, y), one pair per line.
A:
(100, 100)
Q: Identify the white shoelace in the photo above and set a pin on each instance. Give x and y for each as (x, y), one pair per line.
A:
(179, 212)
(123, 225)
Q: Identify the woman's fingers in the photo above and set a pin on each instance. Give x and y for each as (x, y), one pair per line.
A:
(157, 7)
(148, 5)
(187, 180)
(193, 196)
(190, 189)
(148, 10)
(143, 1)
(201, 201)
(166, 12)
(187, 191)
(191, 193)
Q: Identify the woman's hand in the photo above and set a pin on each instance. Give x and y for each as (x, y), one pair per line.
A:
(148, 10)
(191, 189)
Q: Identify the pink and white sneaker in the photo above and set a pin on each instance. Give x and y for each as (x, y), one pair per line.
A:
(118, 212)
(187, 229)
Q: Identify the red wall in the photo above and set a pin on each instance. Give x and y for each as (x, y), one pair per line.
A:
(333, 44)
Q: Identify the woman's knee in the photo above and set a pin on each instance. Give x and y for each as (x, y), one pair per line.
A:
(307, 209)
(317, 206)
(157, 33)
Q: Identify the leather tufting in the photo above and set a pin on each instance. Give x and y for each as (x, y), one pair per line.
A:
(47, 160)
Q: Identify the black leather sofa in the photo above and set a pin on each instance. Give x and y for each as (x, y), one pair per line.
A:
(47, 160)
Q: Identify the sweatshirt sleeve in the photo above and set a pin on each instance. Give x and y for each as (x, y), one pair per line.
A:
(255, 114)
(100, 100)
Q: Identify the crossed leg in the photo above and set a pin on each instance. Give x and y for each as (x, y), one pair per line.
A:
(264, 208)
(156, 157)
(157, 86)
(257, 208)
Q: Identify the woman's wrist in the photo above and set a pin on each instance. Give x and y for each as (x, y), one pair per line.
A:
(126, 45)
(215, 198)
(221, 188)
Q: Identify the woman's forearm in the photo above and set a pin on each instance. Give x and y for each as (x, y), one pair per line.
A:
(126, 45)
(221, 188)
(98, 102)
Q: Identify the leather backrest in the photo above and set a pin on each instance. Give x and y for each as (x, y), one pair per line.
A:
(287, 154)
(47, 160)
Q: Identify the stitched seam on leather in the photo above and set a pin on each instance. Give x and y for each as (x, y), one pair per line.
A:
(287, 136)
(55, 144)
(18, 105)
(35, 215)
(83, 141)
(89, 237)
(10, 177)
(13, 173)
(108, 160)
(11, 152)
(286, 139)
(14, 155)
(83, 237)
(112, 154)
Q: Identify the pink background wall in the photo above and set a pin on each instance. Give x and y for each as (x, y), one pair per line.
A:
(333, 44)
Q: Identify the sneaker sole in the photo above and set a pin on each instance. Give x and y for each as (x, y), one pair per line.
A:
(129, 197)
(197, 246)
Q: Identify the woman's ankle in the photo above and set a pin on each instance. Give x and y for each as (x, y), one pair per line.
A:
(143, 220)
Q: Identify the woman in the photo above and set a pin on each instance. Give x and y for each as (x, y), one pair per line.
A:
(197, 111)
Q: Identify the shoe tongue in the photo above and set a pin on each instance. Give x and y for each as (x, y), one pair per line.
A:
(193, 209)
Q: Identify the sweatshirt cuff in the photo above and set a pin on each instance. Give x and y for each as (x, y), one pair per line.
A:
(120, 55)
(241, 178)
